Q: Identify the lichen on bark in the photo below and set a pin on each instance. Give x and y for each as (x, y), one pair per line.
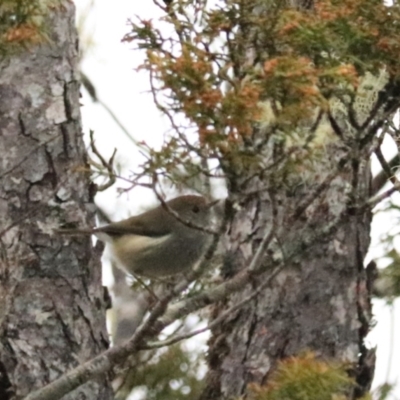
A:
(51, 297)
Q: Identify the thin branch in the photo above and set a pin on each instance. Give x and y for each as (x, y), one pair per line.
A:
(179, 218)
(385, 167)
(108, 165)
(312, 196)
(90, 88)
(388, 174)
(238, 282)
(381, 178)
(391, 342)
(266, 240)
(254, 266)
(161, 316)
(218, 320)
(374, 201)
(104, 362)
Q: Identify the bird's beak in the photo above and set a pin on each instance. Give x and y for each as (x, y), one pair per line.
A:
(213, 203)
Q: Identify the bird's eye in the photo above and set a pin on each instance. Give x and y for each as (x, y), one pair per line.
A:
(196, 209)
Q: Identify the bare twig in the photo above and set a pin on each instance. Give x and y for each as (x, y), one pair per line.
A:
(391, 341)
(89, 86)
(312, 196)
(388, 175)
(254, 266)
(381, 178)
(238, 282)
(179, 218)
(103, 362)
(266, 240)
(108, 165)
(219, 319)
(374, 201)
(385, 167)
(161, 316)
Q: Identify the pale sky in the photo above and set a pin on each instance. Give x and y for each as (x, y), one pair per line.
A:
(110, 65)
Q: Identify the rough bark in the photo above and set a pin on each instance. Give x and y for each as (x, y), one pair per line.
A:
(318, 302)
(52, 303)
(321, 299)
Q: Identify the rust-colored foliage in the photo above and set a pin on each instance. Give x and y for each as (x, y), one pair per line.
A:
(202, 79)
(362, 32)
(21, 23)
(22, 33)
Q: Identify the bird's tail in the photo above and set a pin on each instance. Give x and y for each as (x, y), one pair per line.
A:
(87, 231)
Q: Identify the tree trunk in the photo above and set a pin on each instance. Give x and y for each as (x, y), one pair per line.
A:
(320, 300)
(51, 298)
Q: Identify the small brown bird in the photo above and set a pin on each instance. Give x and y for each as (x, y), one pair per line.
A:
(162, 241)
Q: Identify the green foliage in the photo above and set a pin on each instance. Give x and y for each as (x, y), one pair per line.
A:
(171, 375)
(392, 272)
(342, 32)
(214, 94)
(384, 391)
(21, 24)
(388, 282)
(306, 378)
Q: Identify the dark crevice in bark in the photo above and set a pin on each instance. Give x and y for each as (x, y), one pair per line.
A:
(51, 175)
(67, 101)
(251, 332)
(6, 392)
(49, 326)
(22, 125)
(89, 326)
(64, 133)
(366, 363)
(66, 332)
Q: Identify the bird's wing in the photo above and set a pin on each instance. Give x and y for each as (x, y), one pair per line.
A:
(147, 224)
